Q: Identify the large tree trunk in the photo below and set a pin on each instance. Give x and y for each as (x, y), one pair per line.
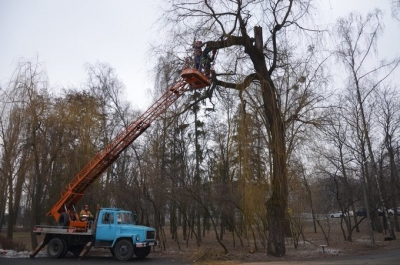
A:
(277, 203)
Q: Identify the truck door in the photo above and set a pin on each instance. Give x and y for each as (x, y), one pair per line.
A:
(106, 227)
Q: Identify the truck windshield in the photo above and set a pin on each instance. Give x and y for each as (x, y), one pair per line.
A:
(125, 218)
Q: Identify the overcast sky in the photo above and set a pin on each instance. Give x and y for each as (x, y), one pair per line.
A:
(66, 35)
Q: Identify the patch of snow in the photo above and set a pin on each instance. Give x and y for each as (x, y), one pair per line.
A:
(21, 254)
(332, 251)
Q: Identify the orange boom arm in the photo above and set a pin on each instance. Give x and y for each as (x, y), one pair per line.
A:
(73, 192)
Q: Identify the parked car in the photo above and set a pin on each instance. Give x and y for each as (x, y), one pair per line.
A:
(351, 213)
(337, 214)
(362, 212)
(391, 211)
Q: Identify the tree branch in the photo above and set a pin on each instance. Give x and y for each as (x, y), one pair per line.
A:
(238, 86)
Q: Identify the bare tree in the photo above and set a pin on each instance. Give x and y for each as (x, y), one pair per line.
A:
(357, 40)
(105, 87)
(251, 60)
(388, 116)
(29, 89)
(13, 156)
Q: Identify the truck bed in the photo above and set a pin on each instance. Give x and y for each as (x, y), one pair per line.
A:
(46, 229)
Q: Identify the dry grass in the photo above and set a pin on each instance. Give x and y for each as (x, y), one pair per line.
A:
(309, 248)
(210, 252)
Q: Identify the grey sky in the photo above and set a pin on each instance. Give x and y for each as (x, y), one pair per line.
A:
(65, 35)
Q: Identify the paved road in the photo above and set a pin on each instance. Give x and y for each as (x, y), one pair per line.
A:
(390, 257)
(87, 261)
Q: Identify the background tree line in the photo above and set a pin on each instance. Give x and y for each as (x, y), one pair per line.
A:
(276, 135)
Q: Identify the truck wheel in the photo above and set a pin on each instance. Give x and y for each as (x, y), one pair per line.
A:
(141, 253)
(63, 220)
(65, 249)
(57, 248)
(123, 250)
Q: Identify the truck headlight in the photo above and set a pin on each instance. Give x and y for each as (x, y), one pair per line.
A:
(137, 238)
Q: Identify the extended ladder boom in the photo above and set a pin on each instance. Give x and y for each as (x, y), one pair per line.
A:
(73, 192)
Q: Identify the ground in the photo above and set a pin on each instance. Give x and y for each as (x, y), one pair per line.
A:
(309, 248)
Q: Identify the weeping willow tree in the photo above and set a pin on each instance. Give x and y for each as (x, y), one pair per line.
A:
(252, 164)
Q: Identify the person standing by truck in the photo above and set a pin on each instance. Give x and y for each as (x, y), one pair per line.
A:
(85, 214)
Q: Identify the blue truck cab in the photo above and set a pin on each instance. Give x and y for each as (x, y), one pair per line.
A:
(117, 229)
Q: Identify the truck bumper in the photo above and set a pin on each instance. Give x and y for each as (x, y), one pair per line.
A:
(146, 244)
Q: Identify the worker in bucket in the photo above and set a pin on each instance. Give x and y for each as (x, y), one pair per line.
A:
(197, 54)
(207, 60)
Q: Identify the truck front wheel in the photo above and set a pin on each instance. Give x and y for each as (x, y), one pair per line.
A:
(123, 250)
(141, 253)
(57, 248)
